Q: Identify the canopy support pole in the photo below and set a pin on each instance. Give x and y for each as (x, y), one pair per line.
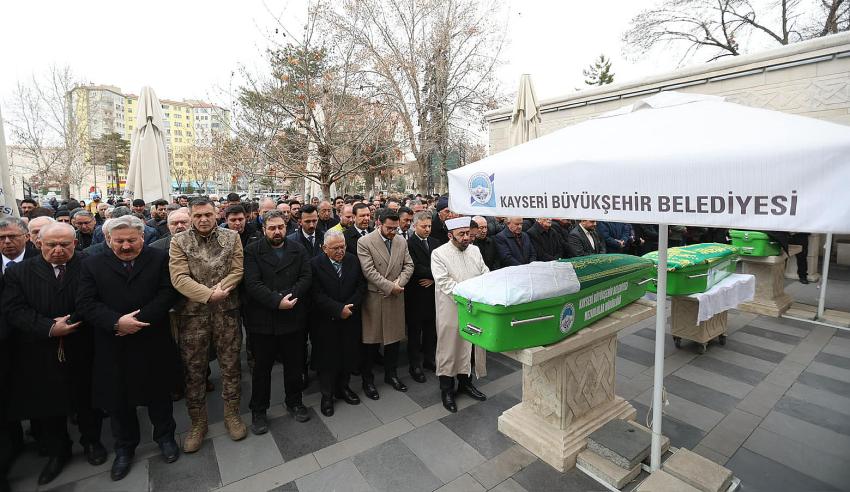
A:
(824, 275)
(660, 333)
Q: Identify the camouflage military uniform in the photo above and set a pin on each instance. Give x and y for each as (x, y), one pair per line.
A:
(197, 265)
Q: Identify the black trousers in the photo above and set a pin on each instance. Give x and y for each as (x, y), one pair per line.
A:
(52, 434)
(421, 340)
(289, 349)
(802, 256)
(368, 353)
(332, 381)
(125, 425)
(11, 442)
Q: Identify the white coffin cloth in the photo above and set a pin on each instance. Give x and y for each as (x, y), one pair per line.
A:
(520, 284)
(727, 294)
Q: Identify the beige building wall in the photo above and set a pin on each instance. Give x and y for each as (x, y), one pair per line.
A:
(810, 78)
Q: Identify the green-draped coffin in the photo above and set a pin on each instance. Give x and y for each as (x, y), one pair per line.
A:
(608, 282)
(755, 243)
(696, 268)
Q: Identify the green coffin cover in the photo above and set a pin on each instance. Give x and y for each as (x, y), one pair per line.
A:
(608, 282)
(755, 243)
(696, 268)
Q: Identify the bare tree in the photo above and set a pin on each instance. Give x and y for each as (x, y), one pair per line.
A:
(731, 27)
(46, 122)
(434, 61)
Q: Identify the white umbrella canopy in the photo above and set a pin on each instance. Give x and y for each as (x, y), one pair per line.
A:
(149, 174)
(672, 158)
(525, 118)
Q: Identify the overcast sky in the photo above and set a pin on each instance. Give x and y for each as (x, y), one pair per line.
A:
(189, 48)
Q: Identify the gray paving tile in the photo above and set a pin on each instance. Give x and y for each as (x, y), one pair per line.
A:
(829, 371)
(442, 451)
(463, 483)
(711, 454)
(804, 459)
(540, 477)
(362, 442)
(761, 399)
(825, 383)
(498, 469)
(287, 487)
(779, 325)
(698, 393)
(833, 360)
(731, 432)
(136, 480)
(339, 477)
(811, 435)
(628, 368)
(504, 359)
(296, 439)
(741, 360)
(748, 376)
(392, 467)
(754, 351)
(192, 472)
(237, 460)
(477, 425)
(761, 474)
(350, 420)
(633, 354)
(839, 346)
(717, 382)
(393, 405)
(425, 394)
(647, 345)
(509, 485)
(815, 414)
(275, 477)
(515, 391)
(646, 333)
(820, 397)
(495, 370)
(759, 341)
(686, 411)
(680, 433)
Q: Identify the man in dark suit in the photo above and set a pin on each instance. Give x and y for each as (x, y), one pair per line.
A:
(277, 275)
(308, 234)
(419, 308)
(52, 355)
(235, 219)
(337, 291)
(362, 217)
(514, 245)
(15, 246)
(584, 240)
(438, 220)
(618, 236)
(485, 244)
(159, 217)
(125, 295)
(327, 219)
(546, 241)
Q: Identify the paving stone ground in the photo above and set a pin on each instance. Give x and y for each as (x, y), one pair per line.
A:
(773, 405)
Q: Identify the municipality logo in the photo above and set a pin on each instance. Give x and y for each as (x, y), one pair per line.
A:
(481, 190)
(568, 315)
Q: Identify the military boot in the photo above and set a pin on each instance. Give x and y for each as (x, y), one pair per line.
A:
(196, 434)
(233, 421)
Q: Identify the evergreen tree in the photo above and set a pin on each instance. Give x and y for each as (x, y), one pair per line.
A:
(599, 73)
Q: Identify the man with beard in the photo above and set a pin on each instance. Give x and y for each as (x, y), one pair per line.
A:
(387, 266)
(277, 275)
(346, 218)
(405, 219)
(584, 240)
(159, 217)
(452, 263)
(53, 353)
(84, 223)
(362, 217)
(307, 235)
(125, 295)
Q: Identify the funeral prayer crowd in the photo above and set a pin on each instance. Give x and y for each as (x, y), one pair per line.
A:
(106, 306)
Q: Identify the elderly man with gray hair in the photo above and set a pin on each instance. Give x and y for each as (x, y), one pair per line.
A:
(150, 233)
(125, 295)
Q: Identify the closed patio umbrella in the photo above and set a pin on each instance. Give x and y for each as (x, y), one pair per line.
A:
(149, 175)
(525, 118)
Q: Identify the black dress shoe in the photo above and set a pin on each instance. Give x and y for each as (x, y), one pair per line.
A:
(169, 450)
(370, 391)
(121, 466)
(449, 401)
(804, 280)
(417, 375)
(471, 391)
(396, 383)
(52, 469)
(259, 423)
(299, 412)
(327, 406)
(95, 453)
(348, 396)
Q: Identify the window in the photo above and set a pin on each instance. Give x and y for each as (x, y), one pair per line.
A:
(167, 115)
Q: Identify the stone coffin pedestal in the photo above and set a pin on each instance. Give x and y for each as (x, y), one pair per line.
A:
(812, 259)
(683, 320)
(568, 389)
(770, 298)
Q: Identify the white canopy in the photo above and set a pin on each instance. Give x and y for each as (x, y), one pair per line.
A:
(673, 158)
(149, 175)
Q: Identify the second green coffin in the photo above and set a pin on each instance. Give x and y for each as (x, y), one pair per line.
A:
(696, 268)
(755, 243)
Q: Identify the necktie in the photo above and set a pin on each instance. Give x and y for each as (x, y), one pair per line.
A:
(312, 240)
(60, 272)
(404, 234)
(11, 262)
(338, 268)
(425, 245)
(389, 246)
(128, 266)
(362, 233)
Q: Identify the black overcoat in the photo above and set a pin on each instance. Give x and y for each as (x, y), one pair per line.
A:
(44, 386)
(419, 301)
(268, 279)
(336, 340)
(135, 369)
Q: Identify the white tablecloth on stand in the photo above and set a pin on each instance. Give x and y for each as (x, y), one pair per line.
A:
(727, 294)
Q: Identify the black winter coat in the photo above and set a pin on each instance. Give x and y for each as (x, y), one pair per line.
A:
(419, 301)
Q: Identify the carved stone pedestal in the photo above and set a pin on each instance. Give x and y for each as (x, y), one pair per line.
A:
(770, 298)
(812, 259)
(568, 389)
(684, 312)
